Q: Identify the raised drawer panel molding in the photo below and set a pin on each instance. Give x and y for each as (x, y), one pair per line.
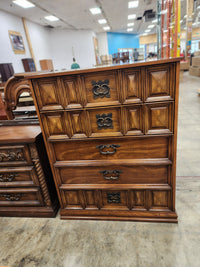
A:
(134, 120)
(72, 95)
(57, 124)
(160, 83)
(159, 118)
(79, 124)
(49, 94)
(101, 89)
(132, 87)
(112, 143)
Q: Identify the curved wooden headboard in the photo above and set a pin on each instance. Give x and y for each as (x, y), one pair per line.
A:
(13, 89)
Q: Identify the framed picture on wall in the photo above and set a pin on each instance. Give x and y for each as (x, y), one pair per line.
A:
(17, 42)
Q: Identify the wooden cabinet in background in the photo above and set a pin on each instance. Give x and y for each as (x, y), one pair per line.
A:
(110, 134)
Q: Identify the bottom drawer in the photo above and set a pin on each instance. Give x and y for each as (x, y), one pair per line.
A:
(21, 197)
(144, 199)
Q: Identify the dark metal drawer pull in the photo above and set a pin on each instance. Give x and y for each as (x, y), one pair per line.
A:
(101, 89)
(116, 174)
(7, 177)
(12, 196)
(102, 147)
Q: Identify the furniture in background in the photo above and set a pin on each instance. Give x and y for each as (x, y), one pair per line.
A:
(106, 59)
(28, 64)
(111, 139)
(121, 57)
(26, 183)
(46, 64)
(18, 100)
(6, 71)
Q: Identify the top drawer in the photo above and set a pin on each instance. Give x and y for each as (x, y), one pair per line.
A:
(106, 88)
(15, 155)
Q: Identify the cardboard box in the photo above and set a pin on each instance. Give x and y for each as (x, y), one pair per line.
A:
(197, 53)
(195, 71)
(196, 61)
(184, 65)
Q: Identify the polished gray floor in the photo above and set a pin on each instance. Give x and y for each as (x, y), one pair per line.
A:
(54, 243)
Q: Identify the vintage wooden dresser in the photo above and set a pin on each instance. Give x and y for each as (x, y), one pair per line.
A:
(24, 169)
(110, 134)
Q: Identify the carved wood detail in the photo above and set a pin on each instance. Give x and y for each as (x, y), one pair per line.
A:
(11, 156)
(12, 196)
(7, 177)
(40, 174)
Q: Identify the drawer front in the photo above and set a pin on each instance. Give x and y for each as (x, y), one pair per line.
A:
(21, 197)
(114, 174)
(13, 155)
(118, 199)
(18, 177)
(101, 89)
(120, 148)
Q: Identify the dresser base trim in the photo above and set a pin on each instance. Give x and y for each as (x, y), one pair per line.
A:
(166, 217)
(40, 212)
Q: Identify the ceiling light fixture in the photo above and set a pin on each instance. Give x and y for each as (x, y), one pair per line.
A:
(181, 21)
(130, 24)
(185, 16)
(51, 18)
(129, 29)
(107, 28)
(95, 10)
(151, 26)
(198, 7)
(144, 34)
(133, 4)
(102, 21)
(132, 16)
(154, 21)
(23, 3)
(147, 30)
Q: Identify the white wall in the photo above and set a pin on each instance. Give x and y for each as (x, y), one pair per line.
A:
(103, 43)
(61, 42)
(7, 55)
(40, 38)
(55, 44)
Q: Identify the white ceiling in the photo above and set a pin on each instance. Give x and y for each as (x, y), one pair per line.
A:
(75, 14)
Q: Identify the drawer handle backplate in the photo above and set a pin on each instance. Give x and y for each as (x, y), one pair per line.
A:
(104, 121)
(111, 174)
(108, 152)
(101, 89)
(7, 177)
(12, 196)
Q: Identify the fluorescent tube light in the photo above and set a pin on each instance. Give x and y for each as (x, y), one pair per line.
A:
(51, 18)
(107, 28)
(23, 3)
(129, 29)
(147, 30)
(151, 26)
(132, 16)
(102, 21)
(95, 10)
(154, 21)
(133, 4)
(130, 24)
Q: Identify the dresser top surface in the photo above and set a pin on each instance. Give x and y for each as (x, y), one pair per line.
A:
(21, 133)
(41, 74)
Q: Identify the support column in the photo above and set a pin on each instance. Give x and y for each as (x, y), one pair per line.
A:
(189, 27)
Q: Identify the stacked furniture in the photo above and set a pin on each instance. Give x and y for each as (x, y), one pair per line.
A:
(195, 68)
(110, 134)
(26, 182)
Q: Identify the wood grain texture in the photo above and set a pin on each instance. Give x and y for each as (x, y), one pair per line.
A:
(107, 122)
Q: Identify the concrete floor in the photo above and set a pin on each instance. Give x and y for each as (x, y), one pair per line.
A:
(54, 243)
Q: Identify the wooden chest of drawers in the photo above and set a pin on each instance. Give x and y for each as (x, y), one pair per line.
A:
(111, 136)
(26, 183)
